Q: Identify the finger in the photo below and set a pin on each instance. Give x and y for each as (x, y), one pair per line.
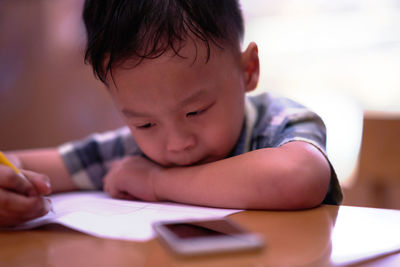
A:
(41, 182)
(14, 182)
(40, 207)
(115, 193)
(21, 207)
(125, 195)
(8, 218)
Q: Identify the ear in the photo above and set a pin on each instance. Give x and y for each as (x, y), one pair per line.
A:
(251, 66)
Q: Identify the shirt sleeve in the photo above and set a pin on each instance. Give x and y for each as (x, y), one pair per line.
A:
(307, 126)
(285, 121)
(89, 159)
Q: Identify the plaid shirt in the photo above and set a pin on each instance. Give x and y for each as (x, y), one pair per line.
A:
(270, 122)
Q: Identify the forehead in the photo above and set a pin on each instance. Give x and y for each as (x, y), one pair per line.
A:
(166, 82)
(172, 76)
(191, 49)
(192, 53)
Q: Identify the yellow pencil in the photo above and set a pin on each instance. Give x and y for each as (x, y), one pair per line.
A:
(5, 161)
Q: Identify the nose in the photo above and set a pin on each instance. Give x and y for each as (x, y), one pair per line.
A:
(178, 140)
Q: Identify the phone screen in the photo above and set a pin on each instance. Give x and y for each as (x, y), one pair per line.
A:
(206, 236)
(203, 229)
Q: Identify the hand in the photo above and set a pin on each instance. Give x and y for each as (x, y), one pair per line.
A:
(22, 200)
(132, 178)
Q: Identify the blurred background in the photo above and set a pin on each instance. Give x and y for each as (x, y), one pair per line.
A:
(340, 58)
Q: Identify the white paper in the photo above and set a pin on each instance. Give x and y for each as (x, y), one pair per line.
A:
(364, 233)
(97, 214)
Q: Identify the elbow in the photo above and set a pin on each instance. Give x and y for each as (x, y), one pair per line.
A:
(308, 185)
(309, 197)
(296, 178)
(302, 193)
(294, 189)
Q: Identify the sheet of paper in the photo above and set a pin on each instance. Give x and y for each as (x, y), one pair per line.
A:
(364, 233)
(97, 214)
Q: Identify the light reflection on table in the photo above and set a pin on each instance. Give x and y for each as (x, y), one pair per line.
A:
(325, 236)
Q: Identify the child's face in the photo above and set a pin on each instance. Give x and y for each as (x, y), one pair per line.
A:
(182, 111)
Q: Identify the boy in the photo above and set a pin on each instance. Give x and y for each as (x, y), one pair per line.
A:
(178, 77)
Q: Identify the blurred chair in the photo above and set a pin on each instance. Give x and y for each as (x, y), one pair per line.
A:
(379, 165)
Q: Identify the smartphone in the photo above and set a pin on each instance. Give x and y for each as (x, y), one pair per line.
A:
(195, 237)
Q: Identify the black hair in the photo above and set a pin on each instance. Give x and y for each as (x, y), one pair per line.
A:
(118, 30)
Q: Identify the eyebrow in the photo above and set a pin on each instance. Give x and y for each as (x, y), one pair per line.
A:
(193, 98)
(186, 101)
(132, 113)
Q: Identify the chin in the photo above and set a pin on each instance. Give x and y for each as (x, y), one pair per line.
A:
(186, 163)
(171, 163)
(202, 161)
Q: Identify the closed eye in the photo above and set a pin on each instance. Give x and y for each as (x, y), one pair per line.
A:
(194, 113)
(145, 126)
(198, 112)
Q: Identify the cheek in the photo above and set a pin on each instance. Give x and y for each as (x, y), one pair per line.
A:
(222, 135)
(230, 126)
(150, 145)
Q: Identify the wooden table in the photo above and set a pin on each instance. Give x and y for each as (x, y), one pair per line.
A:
(316, 237)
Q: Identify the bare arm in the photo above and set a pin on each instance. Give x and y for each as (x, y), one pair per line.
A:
(294, 176)
(23, 199)
(46, 161)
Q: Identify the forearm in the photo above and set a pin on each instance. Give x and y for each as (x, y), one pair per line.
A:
(294, 176)
(46, 161)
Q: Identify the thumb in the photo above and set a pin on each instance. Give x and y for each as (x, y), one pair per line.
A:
(41, 182)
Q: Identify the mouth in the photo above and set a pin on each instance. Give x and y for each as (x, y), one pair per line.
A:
(189, 163)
